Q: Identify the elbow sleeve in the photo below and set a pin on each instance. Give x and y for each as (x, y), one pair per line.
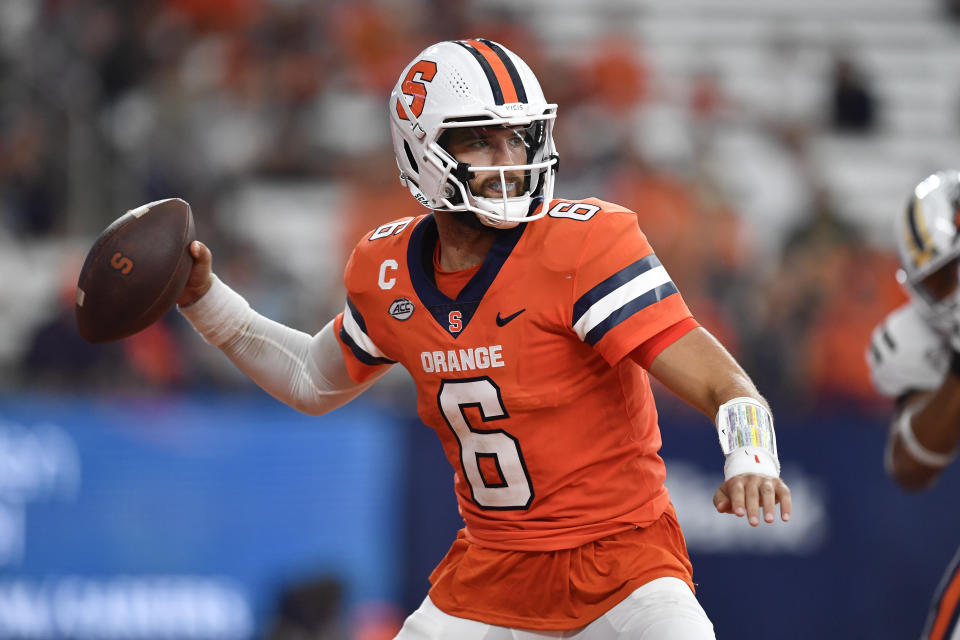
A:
(307, 373)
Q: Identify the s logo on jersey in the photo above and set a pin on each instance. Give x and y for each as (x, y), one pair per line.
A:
(455, 320)
(401, 308)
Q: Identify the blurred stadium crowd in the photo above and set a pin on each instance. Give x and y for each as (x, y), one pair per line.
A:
(720, 127)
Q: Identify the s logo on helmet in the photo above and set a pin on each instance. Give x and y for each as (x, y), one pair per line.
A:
(401, 308)
(414, 87)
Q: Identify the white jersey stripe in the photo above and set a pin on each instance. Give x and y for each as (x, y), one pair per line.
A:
(619, 297)
(358, 335)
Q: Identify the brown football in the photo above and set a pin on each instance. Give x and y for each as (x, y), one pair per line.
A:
(135, 271)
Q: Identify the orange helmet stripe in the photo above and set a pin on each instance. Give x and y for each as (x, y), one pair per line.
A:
(503, 75)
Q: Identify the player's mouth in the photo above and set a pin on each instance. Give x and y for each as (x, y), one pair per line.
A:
(494, 188)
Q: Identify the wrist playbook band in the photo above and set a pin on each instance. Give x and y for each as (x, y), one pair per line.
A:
(920, 453)
(747, 438)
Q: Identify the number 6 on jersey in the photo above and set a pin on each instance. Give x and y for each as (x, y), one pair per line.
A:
(514, 491)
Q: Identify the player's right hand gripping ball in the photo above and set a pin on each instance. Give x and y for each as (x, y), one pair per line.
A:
(135, 271)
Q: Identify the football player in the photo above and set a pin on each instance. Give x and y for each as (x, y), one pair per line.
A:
(529, 324)
(914, 356)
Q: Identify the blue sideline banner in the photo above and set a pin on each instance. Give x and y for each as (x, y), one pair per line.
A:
(189, 518)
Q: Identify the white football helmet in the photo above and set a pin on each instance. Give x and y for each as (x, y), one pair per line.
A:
(928, 240)
(472, 83)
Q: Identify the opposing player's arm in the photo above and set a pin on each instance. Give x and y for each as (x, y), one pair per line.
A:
(702, 372)
(306, 372)
(912, 363)
(924, 435)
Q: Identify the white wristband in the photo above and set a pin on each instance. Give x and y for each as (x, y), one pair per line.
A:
(920, 453)
(750, 460)
(219, 315)
(747, 438)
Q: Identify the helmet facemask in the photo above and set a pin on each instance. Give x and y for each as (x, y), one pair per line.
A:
(502, 194)
(937, 296)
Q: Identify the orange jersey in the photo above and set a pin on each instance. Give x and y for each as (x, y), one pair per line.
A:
(563, 589)
(551, 431)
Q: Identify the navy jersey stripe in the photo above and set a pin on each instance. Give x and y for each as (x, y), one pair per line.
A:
(615, 281)
(356, 316)
(642, 302)
(359, 353)
(953, 624)
(423, 240)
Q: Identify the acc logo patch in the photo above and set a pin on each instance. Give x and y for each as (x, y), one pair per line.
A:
(401, 308)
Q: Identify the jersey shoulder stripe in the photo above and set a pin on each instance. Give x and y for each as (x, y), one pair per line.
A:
(626, 292)
(354, 334)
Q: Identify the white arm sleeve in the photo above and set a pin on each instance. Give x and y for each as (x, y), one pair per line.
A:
(307, 373)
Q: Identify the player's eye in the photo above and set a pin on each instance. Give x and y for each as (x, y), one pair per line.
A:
(517, 142)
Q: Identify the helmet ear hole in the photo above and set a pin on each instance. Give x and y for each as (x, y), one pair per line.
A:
(450, 193)
(410, 159)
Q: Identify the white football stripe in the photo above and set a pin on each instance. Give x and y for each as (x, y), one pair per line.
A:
(142, 209)
(357, 334)
(608, 304)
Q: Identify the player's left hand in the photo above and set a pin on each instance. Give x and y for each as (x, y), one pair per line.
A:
(746, 493)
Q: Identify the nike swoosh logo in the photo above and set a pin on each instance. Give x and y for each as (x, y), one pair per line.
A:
(503, 321)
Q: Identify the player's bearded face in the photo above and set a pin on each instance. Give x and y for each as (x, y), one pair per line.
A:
(493, 146)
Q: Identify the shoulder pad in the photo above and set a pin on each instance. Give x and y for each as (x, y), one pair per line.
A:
(385, 239)
(392, 229)
(906, 354)
(578, 229)
(575, 219)
(583, 210)
(385, 244)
